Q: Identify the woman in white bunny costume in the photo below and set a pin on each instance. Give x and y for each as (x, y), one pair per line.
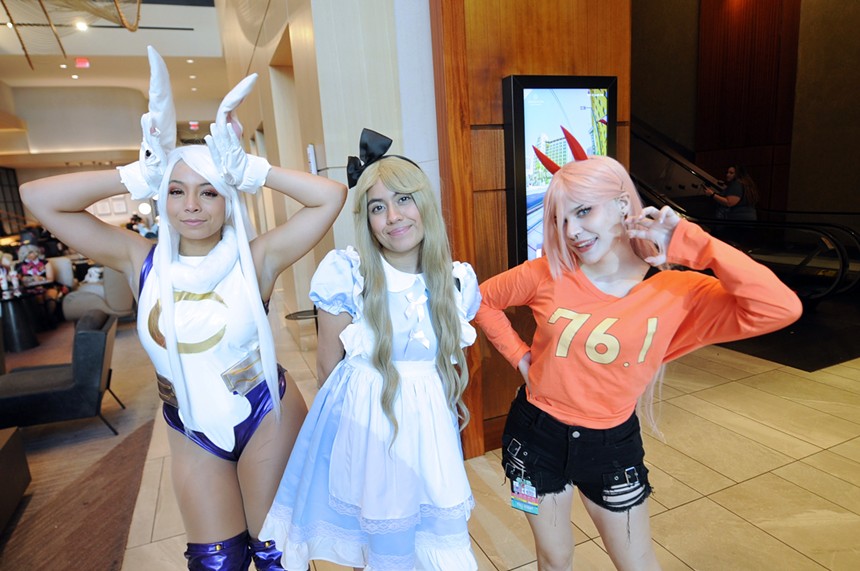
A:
(201, 316)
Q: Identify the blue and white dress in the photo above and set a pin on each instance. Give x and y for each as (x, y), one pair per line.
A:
(349, 494)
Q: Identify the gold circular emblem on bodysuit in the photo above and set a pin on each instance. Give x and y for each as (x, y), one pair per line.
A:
(185, 348)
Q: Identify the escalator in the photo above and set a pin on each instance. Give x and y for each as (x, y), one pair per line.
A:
(817, 254)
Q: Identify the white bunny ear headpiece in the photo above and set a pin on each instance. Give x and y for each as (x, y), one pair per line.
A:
(158, 126)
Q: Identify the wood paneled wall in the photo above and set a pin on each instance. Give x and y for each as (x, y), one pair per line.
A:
(475, 45)
(746, 83)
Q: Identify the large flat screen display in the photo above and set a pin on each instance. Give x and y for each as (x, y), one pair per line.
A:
(535, 109)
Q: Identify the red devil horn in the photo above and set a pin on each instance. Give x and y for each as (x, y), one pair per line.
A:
(546, 161)
(575, 147)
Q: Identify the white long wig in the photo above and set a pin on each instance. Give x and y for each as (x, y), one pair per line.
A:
(198, 158)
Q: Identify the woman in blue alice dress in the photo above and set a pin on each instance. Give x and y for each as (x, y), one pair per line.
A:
(376, 478)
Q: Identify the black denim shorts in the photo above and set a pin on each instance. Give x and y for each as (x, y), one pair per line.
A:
(606, 465)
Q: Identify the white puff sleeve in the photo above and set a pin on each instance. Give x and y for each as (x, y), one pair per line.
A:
(337, 284)
(468, 297)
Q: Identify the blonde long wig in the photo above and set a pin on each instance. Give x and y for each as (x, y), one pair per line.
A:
(403, 177)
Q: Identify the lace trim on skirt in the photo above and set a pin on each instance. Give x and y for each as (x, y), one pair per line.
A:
(396, 525)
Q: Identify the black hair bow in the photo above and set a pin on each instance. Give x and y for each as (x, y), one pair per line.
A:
(372, 147)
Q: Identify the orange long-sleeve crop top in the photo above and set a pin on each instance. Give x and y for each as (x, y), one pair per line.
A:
(593, 354)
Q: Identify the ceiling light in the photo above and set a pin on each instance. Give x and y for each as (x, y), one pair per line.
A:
(144, 208)
(75, 76)
(63, 66)
(192, 77)
(81, 26)
(193, 89)
(186, 61)
(9, 25)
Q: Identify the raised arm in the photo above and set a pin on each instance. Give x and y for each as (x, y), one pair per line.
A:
(277, 249)
(322, 198)
(60, 202)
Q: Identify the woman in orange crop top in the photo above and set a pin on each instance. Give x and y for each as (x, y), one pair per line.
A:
(607, 321)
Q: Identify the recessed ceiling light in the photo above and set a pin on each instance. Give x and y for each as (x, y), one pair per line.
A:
(9, 25)
(75, 76)
(63, 66)
(192, 77)
(81, 26)
(193, 89)
(189, 61)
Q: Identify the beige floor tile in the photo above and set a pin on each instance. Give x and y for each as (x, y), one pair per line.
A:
(726, 363)
(668, 392)
(668, 491)
(736, 359)
(853, 364)
(714, 367)
(770, 437)
(811, 524)
(484, 563)
(143, 517)
(850, 449)
(589, 556)
(309, 390)
(158, 446)
(654, 506)
(668, 562)
(310, 357)
(585, 528)
(501, 532)
(292, 361)
(685, 378)
(165, 555)
(681, 467)
(723, 450)
(823, 484)
(168, 520)
(838, 402)
(708, 537)
(825, 377)
(848, 370)
(807, 424)
(328, 566)
(836, 465)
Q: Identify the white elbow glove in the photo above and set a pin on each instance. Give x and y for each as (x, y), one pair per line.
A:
(143, 177)
(245, 172)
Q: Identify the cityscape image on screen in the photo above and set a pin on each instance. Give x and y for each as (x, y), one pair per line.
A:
(583, 112)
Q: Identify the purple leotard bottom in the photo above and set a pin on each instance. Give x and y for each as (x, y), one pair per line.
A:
(261, 405)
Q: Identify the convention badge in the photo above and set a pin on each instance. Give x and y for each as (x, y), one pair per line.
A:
(524, 496)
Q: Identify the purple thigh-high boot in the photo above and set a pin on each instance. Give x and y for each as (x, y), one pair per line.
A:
(266, 556)
(228, 555)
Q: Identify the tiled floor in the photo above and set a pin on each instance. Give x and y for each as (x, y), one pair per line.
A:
(759, 470)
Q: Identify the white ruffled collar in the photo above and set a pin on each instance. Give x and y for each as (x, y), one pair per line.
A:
(200, 274)
(397, 280)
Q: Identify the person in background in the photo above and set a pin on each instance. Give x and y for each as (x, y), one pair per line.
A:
(202, 290)
(134, 222)
(738, 199)
(376, 478)
(37, 277)
(610, 312)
